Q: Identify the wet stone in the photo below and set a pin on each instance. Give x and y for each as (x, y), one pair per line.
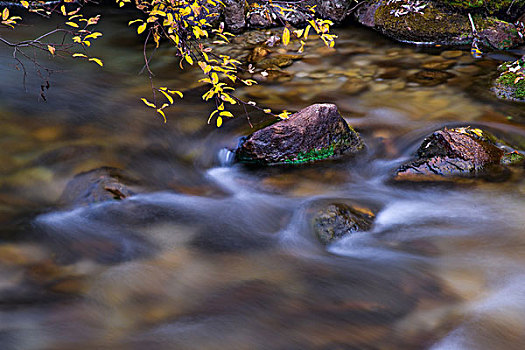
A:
(430, 77)
(338, 220)
(354, 86)
(460, 152)
(316, 132)
(390, 73)
(95, 186)
(452, 54)
(439, 65)
(258, 53)
(275, 62)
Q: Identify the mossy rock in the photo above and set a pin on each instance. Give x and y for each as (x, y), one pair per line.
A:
(487, 6)
(436, 24)
(314, 133)
(510, 85)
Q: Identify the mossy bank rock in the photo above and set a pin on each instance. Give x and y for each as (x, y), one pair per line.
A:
(438, 22)
(95, 186)
(338, 220)
(314, 133)
(460, 152)
(510, 85)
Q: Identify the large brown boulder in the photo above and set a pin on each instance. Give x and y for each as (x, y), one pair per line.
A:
(314, 133)
(460, 152)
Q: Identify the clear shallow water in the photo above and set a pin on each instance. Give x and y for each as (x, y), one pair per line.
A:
(218, 257)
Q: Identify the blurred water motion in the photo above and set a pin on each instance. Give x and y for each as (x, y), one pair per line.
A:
(220, 256)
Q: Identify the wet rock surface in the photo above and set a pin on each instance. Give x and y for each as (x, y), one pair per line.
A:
(460, 152)
(433, 23)
(510, 85)
(95, 186)
(428, 77)
(234, 15)
(314, 133)
(338, 220)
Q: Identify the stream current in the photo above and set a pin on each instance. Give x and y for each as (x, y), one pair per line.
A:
(219, 256)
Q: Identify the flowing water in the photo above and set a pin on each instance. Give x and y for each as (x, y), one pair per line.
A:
(218, 256)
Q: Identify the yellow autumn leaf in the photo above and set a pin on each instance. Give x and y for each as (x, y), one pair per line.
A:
(141, 28)
(226, 114)
(79, 55)
(97, 61)
(167, 96)
(134, 21)
(72, 24)
(219, 122)
(161, 112)
(63, 10)
(212, 114)
(188, 59)
(178, 93)
(51, 49)
(25, 4)
(267, 110)
(286, 36)
(94, 35)
(214, 78)
(5, 14)
(147, 103)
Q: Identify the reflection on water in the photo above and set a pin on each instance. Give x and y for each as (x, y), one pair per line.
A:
(215, 256)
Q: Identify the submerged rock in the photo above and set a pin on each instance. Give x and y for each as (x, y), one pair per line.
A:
(430, 77)
(510, 85)
(436, 22)
(96, 186)
(338, 220)
(460, 152)
(314, 133)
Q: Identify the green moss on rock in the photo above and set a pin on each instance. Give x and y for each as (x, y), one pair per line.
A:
(511, 83)
(440, 25)
(490, 6)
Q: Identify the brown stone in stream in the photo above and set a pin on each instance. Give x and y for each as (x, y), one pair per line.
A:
(338, 220)
(461, 152)
(430, 77)
(96, 186)
(316, 132)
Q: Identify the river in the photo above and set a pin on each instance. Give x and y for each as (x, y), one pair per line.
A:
(213, 255)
